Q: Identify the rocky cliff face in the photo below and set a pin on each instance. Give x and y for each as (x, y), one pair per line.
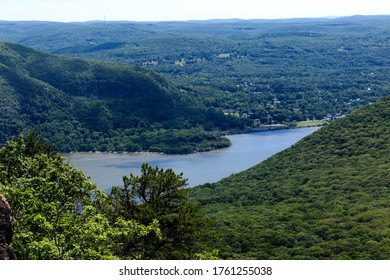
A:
(6, 231)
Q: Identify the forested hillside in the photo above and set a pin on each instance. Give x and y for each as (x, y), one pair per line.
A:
(281, 71)
(81, 105)
(326, 197)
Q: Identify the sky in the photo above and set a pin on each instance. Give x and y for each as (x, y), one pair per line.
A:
(166, 10)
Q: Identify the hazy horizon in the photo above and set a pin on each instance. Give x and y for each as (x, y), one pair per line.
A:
(184, 10)
(199, 20)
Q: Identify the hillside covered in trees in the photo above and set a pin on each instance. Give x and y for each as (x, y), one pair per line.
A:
(326, 197)
(82, 105)
(271, 71)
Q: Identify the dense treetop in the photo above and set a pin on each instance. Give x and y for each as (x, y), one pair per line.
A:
(326, 197)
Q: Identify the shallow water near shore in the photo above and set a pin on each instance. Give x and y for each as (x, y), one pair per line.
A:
(107, 169)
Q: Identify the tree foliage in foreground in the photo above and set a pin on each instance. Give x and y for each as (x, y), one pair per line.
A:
(161, 195)
(59, 214)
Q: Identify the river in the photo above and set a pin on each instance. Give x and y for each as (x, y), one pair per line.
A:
(107, 169)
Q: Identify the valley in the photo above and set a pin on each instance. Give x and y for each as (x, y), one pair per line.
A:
(175, 90)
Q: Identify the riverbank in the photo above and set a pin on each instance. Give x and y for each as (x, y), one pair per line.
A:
(273, 127)
(248, 130)
(262, 128)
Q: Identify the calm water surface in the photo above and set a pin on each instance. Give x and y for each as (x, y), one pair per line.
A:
(107, 169)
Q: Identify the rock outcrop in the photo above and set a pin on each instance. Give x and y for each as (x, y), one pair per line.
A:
(6, 231)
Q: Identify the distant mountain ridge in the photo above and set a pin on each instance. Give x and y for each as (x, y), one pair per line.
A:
(83, 105)
(326, 197)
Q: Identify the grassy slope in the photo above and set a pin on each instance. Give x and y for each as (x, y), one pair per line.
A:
(327, 197)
